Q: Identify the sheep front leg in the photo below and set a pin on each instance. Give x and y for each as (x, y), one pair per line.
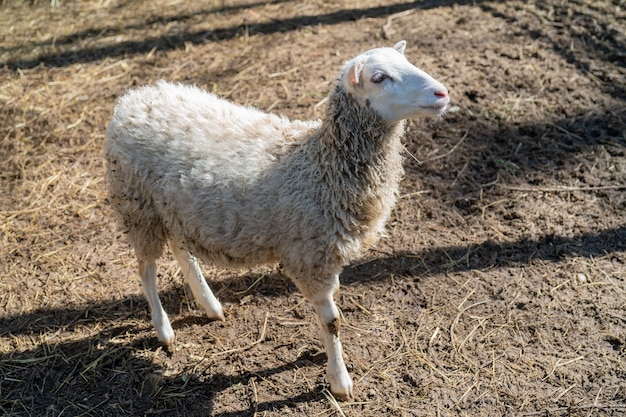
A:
(328, 315)
(200, 289)
(147, 271)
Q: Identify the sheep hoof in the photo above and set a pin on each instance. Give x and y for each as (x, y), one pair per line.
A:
(167, 340)
(165, 334)
(343, 395)
(215, 312)
(341, 388)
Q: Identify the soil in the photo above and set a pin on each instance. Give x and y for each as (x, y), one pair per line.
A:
(499, 290)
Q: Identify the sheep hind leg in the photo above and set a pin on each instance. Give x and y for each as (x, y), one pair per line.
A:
(199, 288)
(328, 315)
(147, 271)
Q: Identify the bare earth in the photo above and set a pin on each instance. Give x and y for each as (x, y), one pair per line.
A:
(499, 291)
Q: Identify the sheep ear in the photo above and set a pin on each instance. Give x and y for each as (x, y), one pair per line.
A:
(354, 73)
(400, 47)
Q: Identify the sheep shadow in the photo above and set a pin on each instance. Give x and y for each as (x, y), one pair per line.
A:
(99, 375)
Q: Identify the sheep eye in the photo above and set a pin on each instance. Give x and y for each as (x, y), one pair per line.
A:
(379, 77)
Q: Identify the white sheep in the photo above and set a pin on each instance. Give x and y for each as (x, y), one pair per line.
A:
(236, 186)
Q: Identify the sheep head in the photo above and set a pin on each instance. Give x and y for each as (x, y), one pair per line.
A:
(392, 86)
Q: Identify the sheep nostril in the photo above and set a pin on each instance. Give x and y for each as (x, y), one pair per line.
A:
(441, 94)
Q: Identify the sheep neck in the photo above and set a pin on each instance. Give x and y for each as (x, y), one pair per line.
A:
(359, 159)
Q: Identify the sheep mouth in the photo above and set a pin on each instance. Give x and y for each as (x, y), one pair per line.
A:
(437, 109)
(435, 106)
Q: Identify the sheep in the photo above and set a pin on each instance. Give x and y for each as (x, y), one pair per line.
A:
(237, 187)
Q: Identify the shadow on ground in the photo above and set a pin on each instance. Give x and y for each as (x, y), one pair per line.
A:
(170, 42)
(112, 380)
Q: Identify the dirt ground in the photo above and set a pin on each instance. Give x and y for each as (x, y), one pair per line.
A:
(500, 290)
